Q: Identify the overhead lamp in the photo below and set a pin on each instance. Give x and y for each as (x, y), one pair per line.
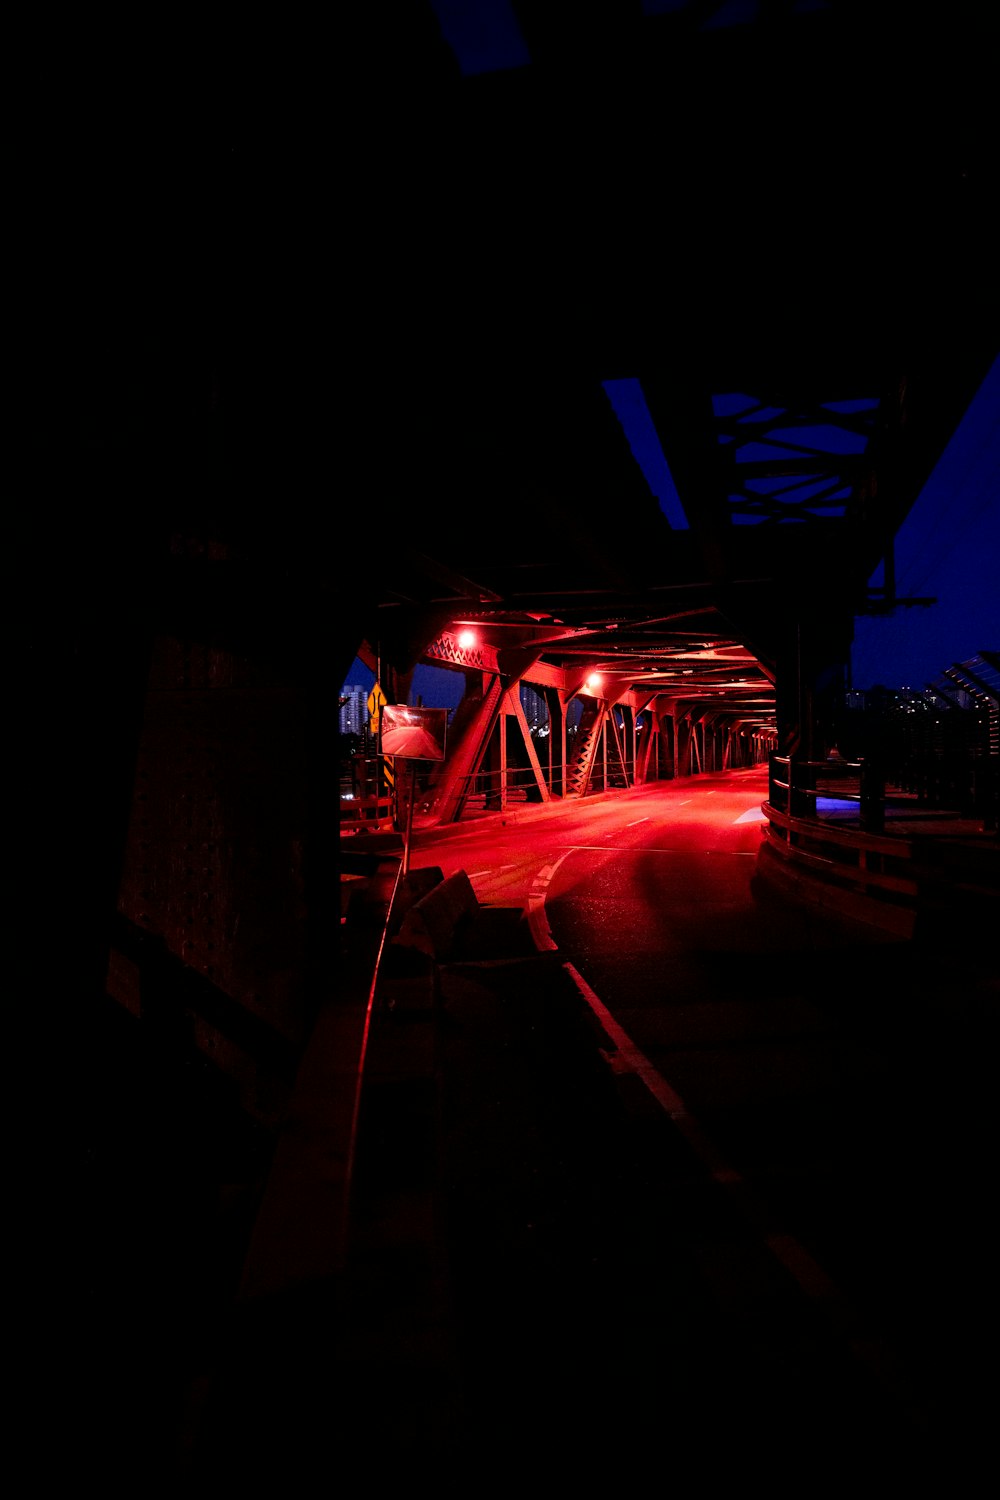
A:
(594, 681)
(467, 639)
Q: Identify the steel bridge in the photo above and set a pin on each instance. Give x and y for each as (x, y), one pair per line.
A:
(630, 350)
(675, 317)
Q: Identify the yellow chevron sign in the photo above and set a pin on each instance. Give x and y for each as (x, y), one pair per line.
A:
(376, 703)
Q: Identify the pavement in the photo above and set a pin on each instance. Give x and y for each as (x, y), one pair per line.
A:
(544, 1286)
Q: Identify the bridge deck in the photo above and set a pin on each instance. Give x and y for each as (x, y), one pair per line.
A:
(541, 1268)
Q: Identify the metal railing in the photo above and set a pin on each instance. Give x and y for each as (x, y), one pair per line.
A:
(796, 787)
(845, 856)
(365, 795)
(965, 787)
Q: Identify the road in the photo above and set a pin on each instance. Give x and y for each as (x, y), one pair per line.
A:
(832, 1084)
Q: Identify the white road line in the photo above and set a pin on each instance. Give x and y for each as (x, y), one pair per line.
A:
(637, 822)
(752, 815)
(656, 849)
(797, 1262)
(592, 849)
(629, 1057)
(538, 922)
(603, 849)
(810, 1277)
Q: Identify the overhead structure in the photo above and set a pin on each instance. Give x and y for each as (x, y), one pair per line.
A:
(673, 310)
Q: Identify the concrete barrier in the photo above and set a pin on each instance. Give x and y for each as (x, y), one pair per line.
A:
(443, 916)
(449, 926)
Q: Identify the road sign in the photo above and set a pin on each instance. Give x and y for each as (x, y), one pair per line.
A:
(376, 703)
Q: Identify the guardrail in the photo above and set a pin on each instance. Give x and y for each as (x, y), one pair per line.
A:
(368, 803)
(795, 787)
(365, 794)
(892, 878)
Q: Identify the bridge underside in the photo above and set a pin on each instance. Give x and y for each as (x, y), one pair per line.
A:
(632, 357)
(590, 730)
(663, 334)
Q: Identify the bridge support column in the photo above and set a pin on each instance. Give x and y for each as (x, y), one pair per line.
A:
(682, 744)
(809, 663)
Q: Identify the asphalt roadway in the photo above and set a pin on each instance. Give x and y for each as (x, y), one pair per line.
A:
(693, 1181)
(673, 1183)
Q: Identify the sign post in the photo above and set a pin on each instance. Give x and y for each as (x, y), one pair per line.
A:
(376, 702)
(409, 818)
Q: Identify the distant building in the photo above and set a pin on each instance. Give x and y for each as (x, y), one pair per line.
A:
(353, 709)
(535, 709)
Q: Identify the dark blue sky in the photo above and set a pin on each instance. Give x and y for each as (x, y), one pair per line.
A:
(949, 549)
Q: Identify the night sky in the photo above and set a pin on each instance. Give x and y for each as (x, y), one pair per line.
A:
(948, 549)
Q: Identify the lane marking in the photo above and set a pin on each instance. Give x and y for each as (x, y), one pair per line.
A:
(752, 815)
(806, 1272)
(538, 922)
(601, 849)
(650, 849)
(808, 1275)
(637, 822)
(630, 1058)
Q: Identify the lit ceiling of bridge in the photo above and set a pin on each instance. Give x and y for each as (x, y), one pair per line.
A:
(682, 304)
